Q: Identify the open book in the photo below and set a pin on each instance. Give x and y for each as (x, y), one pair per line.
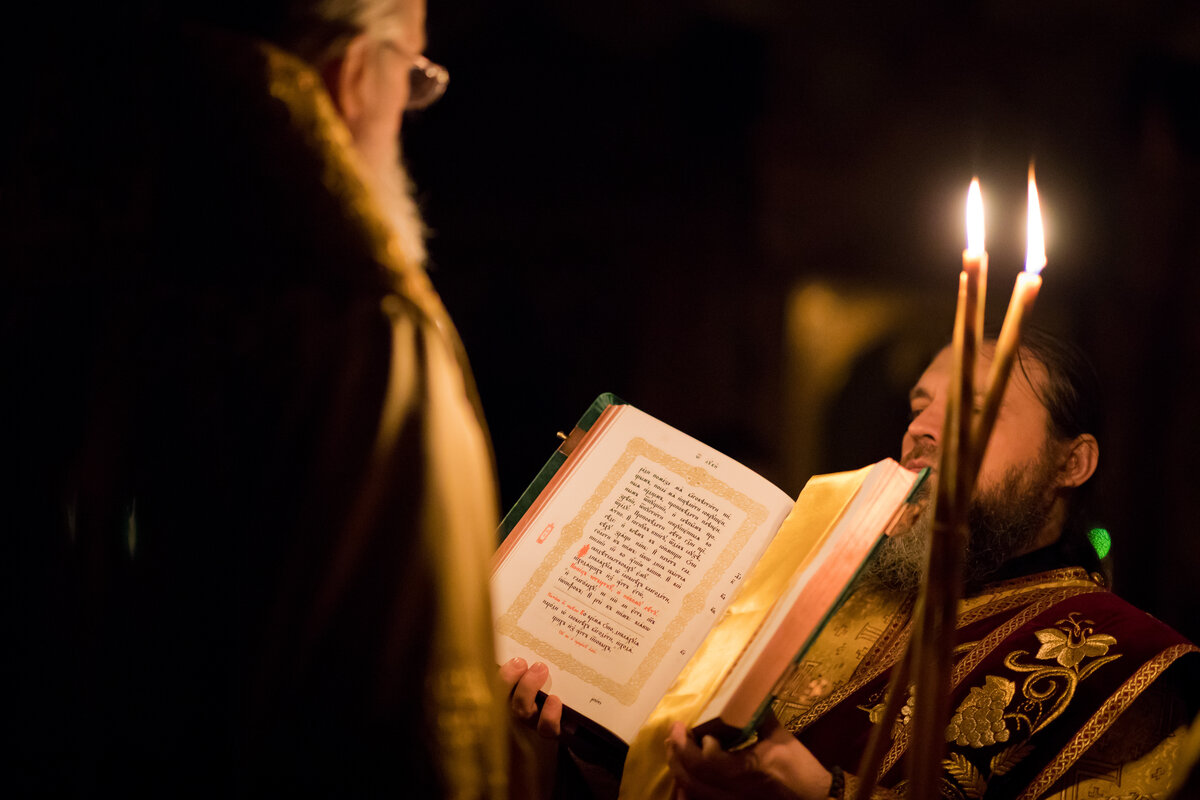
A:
(628, 549)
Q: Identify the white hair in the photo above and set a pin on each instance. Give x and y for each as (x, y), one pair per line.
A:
(319, 30)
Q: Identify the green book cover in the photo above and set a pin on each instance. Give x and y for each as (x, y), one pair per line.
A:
(552, 465)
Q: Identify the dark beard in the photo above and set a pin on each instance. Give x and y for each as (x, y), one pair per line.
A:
(1003, 522)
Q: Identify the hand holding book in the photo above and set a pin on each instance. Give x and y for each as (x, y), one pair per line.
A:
(776, 767)
(524, 681)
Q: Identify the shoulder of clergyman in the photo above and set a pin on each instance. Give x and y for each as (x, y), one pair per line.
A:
(1018, 593)
(1036, 691)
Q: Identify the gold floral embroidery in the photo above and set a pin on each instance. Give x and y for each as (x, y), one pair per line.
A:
(1048, 689)
(875, 712)
(979, 720)
(1009, 757)
(967, 775)
(1068, 649)
(1076, 651)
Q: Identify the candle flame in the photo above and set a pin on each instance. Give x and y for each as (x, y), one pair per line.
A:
(974, 219)
(1035, 253)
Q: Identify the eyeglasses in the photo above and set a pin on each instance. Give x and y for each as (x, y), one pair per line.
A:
(426, 80)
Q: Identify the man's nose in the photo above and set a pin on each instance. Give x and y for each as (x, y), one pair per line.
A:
(928, 422)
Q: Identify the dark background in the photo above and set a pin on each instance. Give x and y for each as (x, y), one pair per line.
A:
(628, 196)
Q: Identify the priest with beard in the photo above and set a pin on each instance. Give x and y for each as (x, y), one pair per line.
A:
(1060, 689)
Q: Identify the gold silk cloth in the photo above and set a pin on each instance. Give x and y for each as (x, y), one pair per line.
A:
(820, 505)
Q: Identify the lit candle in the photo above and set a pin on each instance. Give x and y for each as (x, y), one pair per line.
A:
(968, 336)
(929, 655)
(1025, 291)
(975, 256)
(934, 628)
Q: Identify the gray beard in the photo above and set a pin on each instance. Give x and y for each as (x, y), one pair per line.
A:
(393, 192)
(1003, 522)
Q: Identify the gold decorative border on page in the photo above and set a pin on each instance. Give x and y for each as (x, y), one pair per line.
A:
(693, 602)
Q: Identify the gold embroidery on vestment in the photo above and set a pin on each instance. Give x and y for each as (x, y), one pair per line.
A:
(986, 646)
(875, 712)
(1104, 718)
(1049, 689)
(1009, 757)
(979, 720)
(967, 774)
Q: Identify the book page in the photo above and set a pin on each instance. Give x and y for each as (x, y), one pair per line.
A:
(616, 578)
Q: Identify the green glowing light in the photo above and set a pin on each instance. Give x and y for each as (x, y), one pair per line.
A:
(1100, 540)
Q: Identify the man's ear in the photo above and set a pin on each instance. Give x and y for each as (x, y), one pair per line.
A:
(347, 80)
(1081, 457)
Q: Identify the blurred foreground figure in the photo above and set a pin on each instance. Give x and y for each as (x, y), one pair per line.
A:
(248, 496)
